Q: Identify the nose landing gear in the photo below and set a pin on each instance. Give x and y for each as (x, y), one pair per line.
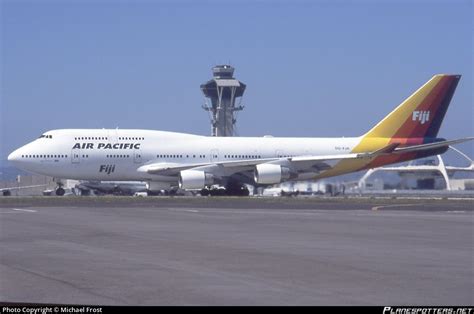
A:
(60, 191)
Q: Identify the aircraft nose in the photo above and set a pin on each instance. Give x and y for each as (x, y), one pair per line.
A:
(14, 156)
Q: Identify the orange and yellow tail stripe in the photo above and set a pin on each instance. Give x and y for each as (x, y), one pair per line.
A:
(415, 121)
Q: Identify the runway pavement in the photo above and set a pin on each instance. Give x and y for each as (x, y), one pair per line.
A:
(232, 252)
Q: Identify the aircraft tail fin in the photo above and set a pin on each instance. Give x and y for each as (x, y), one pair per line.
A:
(421, 114)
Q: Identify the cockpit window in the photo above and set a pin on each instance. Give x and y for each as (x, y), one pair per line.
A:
(46, 136)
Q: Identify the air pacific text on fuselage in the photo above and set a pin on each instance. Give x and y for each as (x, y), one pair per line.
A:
(106, 146)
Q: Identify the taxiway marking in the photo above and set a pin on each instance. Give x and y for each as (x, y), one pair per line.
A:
(183, 210)
(24, 210)
(394, 205)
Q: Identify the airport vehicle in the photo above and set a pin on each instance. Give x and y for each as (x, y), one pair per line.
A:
(6, 176)
(167, 160)
(8, 191)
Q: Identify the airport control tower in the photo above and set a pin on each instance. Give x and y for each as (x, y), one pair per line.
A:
(223, 90)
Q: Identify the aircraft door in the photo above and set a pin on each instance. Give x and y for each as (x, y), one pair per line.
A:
(113, 137)
(137, 156)
(279, 153)
(75, 156)
(214, 155)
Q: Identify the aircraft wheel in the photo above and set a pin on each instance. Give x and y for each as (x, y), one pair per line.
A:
(60, 191)
(205, 192)
(213, 192)
(233, 189)
(7, 193)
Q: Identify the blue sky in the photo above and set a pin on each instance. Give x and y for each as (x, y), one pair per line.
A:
(312, 68)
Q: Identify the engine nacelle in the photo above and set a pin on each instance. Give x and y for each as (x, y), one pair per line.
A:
(271, 174)
(194, 179)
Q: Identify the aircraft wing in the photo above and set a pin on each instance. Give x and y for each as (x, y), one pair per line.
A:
(170, 169)
(312, 165)
(234, 166)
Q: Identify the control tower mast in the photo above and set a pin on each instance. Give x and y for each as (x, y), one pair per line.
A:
(223, 90)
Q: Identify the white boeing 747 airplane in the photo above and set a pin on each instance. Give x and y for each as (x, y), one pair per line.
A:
(167, 160)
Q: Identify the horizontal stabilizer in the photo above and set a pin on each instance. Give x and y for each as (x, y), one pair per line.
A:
(422, 147)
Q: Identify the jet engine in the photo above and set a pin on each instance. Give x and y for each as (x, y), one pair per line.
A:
(195, 179)
(271, 174)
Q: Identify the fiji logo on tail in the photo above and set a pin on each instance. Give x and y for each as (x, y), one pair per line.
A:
(421, 116)
(107, 168)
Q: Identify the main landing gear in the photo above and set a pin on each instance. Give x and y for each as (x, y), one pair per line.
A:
(231, 189)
